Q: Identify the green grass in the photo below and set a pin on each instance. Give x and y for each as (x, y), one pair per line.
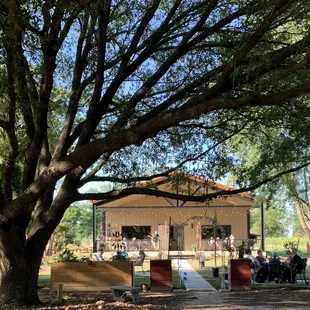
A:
(277, 244)
(44, 281)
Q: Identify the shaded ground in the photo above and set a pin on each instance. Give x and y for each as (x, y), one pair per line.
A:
(285, 298)
(280, 299)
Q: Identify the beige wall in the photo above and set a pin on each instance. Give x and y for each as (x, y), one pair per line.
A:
(236, 217)
(150, 201)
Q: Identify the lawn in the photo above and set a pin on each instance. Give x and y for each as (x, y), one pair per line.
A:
(277, 244)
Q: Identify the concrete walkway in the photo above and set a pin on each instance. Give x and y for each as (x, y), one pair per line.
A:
(192, 280)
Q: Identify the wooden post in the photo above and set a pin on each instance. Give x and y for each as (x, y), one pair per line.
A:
(104, 226)
(94, 229)
(262, 226)
(169, 229)
(59, 293)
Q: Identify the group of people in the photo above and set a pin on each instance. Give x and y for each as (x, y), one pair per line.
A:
(218, 243)
(121, 256)
(274, 269)
(135, 244)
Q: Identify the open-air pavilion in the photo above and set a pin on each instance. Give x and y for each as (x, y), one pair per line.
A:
(182, 226)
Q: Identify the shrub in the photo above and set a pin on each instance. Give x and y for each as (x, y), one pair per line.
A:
(67, 256)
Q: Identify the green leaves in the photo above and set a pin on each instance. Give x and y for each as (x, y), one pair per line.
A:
(67, 256)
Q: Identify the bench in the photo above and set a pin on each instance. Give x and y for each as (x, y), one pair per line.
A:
(119, 292)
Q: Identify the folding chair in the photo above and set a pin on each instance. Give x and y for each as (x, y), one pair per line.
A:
(253, 273)
(275, 272)
(302, 272)
(140, 262)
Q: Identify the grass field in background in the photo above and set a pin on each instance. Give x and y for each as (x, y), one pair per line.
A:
(277, 244)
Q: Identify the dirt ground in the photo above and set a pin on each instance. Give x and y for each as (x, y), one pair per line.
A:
(280, 299)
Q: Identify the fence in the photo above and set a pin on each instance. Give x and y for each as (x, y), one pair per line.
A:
(112, 245)
(148, 245)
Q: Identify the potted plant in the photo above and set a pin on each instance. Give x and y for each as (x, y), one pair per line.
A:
(241, 249)
(290, 245)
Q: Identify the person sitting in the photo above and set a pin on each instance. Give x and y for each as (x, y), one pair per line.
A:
(125, 254)
(118, 257)
(261, 273)
(292, 267)
(140, 258)
(134, 243)
(99, 255)
(260, 257)
(275, 258)
(125, 244)
(255, 263)
(275, 268)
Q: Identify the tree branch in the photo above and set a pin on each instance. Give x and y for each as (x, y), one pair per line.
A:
(115, 194)
(93, 178)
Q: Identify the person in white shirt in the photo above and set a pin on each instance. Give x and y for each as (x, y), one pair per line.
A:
(260, 272)
(99, 255)
(248, 254)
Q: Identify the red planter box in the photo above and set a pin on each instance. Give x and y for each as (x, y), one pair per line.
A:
(239, 277)
(161, 275)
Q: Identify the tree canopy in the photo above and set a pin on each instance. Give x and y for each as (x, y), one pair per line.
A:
(123, 91)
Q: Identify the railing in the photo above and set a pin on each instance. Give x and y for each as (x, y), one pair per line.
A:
(223, 245)
(149, 245)
(112, 245)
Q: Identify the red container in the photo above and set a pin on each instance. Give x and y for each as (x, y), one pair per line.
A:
(161, 275)
(239, 277)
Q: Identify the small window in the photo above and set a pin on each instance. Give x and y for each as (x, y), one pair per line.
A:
(207, 231)
(139, 232)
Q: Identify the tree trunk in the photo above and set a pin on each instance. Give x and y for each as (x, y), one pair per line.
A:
(20, 264)
(16, 283)
(305, 224)
(50, 245)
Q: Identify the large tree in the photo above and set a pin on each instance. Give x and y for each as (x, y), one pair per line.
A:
(115, 90)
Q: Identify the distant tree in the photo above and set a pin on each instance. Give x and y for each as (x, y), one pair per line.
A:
(277, 218)
(297, 186)
(85, 225)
